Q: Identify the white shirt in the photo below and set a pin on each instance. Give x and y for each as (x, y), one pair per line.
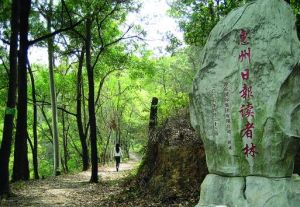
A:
(118, 154)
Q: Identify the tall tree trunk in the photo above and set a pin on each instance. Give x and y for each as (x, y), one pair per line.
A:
(149, 162)
(106, 146)
(50, 43)
(91, 103)
(82, 135)
(119, 114)
(153, 118)
(126, 144)
(152, 142)
(34, 125)
(83, 105)
(21, 165)
(65, 143)
(6, 143)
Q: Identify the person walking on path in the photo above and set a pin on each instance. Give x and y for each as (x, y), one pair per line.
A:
(118, 154)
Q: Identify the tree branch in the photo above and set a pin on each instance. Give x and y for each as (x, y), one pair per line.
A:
(48, 104)
(5, 41)
(67, 10)
(99, 26)
(120, 38)
(30, 142)
(102, 83)
(32, 42)
(45, 134)
(75, 147)
(103, 47)
(45, 117)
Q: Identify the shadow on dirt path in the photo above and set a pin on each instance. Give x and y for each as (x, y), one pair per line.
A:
(72, 190)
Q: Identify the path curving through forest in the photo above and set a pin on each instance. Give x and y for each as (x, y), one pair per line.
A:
(73, 190)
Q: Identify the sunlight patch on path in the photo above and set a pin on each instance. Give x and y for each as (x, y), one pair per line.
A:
(71, 190)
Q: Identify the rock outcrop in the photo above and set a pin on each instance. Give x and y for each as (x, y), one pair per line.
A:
(250, 191)
(245, 102)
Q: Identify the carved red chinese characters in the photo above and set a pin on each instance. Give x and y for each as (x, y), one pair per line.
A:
(247, 131)
(243, 37)
(250, 150)
(245, 55)
(247, 109)
(245, 74)
(246, 92)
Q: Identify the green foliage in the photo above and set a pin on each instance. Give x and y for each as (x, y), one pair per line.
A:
(198, 17)
(3, 90)
(296, 6)
(128, 81)
(5, 9)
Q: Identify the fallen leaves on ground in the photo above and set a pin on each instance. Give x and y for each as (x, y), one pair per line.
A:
(75, 190)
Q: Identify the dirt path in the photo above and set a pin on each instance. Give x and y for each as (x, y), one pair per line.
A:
(72, 190)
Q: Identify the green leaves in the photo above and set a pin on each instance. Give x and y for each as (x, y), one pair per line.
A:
(198, 17)
(128, 74)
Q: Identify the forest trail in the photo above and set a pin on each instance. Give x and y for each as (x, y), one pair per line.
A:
(73, 190)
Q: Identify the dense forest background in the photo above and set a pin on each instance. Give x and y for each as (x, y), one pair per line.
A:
(67, 114)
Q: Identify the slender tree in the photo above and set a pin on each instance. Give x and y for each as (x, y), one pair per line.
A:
(91, 102)
(50, 43)
(82, 135)
(66, 127)
(48, 14)
(6, 143)
(34, 125)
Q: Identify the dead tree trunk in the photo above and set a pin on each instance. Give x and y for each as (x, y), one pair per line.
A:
(149, 161)
(153, 119)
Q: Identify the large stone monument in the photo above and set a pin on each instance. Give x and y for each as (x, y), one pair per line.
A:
(245, 105)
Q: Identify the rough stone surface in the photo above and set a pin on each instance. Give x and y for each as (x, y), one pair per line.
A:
(250, 76)
(297, 163)
(251, 191)
(274, 76)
